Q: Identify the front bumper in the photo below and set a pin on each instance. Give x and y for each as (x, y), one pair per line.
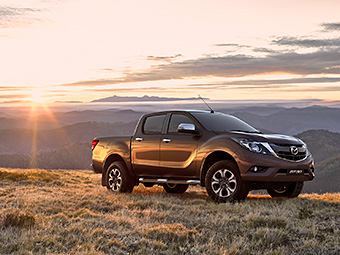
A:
(275, 169)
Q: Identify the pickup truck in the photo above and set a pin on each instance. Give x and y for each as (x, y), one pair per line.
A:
(220, 152)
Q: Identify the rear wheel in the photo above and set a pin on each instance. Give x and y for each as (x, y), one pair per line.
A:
(289, 191)
(118, 179)
(223, 182)
(175, 188)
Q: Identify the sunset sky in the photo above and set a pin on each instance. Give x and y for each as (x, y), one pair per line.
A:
(82, 50)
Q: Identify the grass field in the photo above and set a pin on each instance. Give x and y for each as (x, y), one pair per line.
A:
(69, 212)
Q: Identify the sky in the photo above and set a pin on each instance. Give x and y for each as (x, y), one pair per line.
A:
(83, 50)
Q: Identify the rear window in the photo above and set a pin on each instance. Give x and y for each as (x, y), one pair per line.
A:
(153, 124)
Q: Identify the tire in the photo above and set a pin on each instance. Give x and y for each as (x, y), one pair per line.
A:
(223, 182)
(118, 179)
(175, 188)
(289, 191)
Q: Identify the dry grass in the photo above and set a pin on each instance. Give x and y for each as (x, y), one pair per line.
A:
(69, 212)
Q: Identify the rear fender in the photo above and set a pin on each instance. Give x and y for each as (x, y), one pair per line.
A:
(117, 151)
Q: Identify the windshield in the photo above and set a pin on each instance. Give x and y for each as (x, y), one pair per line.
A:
(221, 122)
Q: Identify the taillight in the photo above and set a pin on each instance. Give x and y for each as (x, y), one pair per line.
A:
(94, 143)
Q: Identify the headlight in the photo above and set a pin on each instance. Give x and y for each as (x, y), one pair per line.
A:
(252, 145)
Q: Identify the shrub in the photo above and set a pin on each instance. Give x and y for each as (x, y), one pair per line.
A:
(17, 219)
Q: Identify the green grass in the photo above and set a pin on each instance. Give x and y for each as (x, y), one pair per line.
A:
(69, 212)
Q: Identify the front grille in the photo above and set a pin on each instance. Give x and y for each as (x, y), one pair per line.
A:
(284, 151)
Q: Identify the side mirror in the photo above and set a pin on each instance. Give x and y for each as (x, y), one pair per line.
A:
(187, 128)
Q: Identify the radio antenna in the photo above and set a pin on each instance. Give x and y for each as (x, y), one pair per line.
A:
(211, 110)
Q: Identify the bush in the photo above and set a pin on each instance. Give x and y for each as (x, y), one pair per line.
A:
(17, 219)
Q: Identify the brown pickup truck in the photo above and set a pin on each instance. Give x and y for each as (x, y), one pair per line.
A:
(215, 150)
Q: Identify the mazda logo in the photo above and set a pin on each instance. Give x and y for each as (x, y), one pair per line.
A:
(294, 150)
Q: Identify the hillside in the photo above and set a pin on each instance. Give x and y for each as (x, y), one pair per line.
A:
(56, 119)
(295, 120)
(324, 145)
(69, 212)
(21, 140)
(69, 148)
(71, 156)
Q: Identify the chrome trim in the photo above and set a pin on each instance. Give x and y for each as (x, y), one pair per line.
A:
(268, 147)
(190, 182)
(186, 127)
(193, 182)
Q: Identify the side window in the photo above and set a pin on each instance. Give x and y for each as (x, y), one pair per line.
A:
(153, 124)
(177, 119)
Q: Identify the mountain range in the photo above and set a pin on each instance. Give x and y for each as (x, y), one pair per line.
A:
(324, 146)
(64, 141)
(295, 120)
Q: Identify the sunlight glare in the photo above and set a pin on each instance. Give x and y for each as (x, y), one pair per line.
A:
(37, 95)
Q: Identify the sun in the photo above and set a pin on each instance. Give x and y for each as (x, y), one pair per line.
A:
(37, 95)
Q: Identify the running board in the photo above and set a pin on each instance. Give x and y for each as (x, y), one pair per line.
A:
(191, 182)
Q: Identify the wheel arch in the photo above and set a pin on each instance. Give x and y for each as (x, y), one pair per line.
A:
(108, 161)
(211, 159)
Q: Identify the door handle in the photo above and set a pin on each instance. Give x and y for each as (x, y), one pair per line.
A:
(166, 140)
(139, 139)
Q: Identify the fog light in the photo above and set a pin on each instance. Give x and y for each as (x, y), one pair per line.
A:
(257, 169)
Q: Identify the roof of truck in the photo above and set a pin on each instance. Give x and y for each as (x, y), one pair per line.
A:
(180, 110)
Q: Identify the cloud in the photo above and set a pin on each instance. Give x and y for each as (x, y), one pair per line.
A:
(13, 88)
(13, 16)
(232, 45)
(128, 89)
(331, 26)
(163, 58)
(13, 96)
(69, 102)
(318, 62)
(274, 88)
(274, 82)
(294, 41)
(265, 50)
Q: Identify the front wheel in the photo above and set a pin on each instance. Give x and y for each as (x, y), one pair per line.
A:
(223, 182)
(175, 188)
(118, 179)
(289, 191)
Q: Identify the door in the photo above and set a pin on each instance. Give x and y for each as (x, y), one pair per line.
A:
(178, 150)
(145, 146)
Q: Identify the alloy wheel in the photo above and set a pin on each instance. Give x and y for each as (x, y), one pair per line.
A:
(223, 183)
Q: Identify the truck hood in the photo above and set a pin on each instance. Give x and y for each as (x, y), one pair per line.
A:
(269, 138)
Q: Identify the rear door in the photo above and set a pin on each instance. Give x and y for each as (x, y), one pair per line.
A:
(178, 150)
(145, 146)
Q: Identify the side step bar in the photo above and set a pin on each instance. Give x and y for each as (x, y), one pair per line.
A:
(169, 181)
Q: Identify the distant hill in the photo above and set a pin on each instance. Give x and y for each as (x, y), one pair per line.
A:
(2, 114)
(324, 145)
(71, 156)
(110, 116)
(295, 120)
(21, 123)
(140, 99)
(22, 140)
(259, 110)
(65, 133)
